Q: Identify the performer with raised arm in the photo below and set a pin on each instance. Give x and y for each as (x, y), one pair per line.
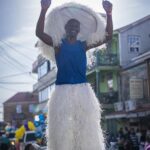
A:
(74, 112)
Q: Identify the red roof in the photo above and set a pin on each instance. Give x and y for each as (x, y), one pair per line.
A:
(22, 97)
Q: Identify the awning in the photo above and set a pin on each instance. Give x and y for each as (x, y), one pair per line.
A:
(142, 112)
(116, 115)
(142, 57)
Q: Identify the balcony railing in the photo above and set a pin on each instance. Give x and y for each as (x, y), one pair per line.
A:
(108, 98)
(107, 59)
(103, 59)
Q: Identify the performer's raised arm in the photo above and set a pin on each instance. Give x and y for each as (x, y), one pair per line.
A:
(45, 4)
(109, 26)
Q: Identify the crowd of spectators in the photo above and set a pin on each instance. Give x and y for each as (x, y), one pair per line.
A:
(131, 139)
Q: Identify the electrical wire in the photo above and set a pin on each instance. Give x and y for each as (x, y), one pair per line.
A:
(19, 45)
(17, 51)
(9, 89)
(14, 75)
(11, 64)
(13, 59)
(1, 82)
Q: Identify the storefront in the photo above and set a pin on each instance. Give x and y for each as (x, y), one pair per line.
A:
(138, 118)
(134, 107)
(135, 83)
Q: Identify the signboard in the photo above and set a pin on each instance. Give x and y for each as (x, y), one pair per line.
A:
(136, 88)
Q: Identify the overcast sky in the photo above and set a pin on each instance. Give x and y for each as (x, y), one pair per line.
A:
(17, 27)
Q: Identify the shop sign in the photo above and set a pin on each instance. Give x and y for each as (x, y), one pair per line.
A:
(136, 88)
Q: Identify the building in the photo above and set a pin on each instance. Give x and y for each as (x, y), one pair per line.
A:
(134, 105)
(103, 75)
(133, 39)
(20, 107)
(46, 71)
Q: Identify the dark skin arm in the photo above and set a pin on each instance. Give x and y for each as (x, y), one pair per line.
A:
(40, 24)
(109, 27)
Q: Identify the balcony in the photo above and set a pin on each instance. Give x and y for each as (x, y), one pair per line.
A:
(103, 59)
(109, 97)
(107, 59)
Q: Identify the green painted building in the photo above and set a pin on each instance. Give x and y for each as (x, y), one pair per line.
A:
(104, 78)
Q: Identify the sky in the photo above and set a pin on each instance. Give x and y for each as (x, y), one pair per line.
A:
(17, 37)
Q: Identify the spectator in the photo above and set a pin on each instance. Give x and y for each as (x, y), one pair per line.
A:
(121, 139)
(138, 134)
(8, 128)
(5, 143)
(142, 139)
(126, 133)
(148, 131)
(127, 144)
(134, 140)
(121, 133)
(121, 143)
(147, 145)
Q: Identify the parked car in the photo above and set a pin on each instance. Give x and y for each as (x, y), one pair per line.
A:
(12, 139)
(29, 139)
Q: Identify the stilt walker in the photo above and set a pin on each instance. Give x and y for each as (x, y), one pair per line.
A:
(74, 112)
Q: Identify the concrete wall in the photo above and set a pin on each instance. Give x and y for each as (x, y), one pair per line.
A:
(143, 30)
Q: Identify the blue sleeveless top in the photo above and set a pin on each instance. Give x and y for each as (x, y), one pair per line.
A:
(71, 62)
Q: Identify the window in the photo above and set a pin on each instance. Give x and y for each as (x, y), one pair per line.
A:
(46, 93)
(18, 109)
(134, 43)
(31, 108)
(43, 95)
(30, 137)
(43, 69)
(110, 83)
(110, 80)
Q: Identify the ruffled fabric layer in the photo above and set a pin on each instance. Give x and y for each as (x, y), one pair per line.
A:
(74, 115)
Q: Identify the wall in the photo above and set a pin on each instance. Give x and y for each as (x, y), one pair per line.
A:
(143, 30)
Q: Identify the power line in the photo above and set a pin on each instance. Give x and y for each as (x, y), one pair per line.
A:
(13, 59)
(12, 48)
(7, 63)
(9, 89)
(14, 75)
(10, 63)
(15, 82)
(20, 45)
(17, 44)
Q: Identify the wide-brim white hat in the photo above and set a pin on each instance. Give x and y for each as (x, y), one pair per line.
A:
(92, 26)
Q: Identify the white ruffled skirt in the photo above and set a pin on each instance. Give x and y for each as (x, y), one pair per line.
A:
(74, 115)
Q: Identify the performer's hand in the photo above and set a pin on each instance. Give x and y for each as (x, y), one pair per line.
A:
(107, 6)
(45, 4)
